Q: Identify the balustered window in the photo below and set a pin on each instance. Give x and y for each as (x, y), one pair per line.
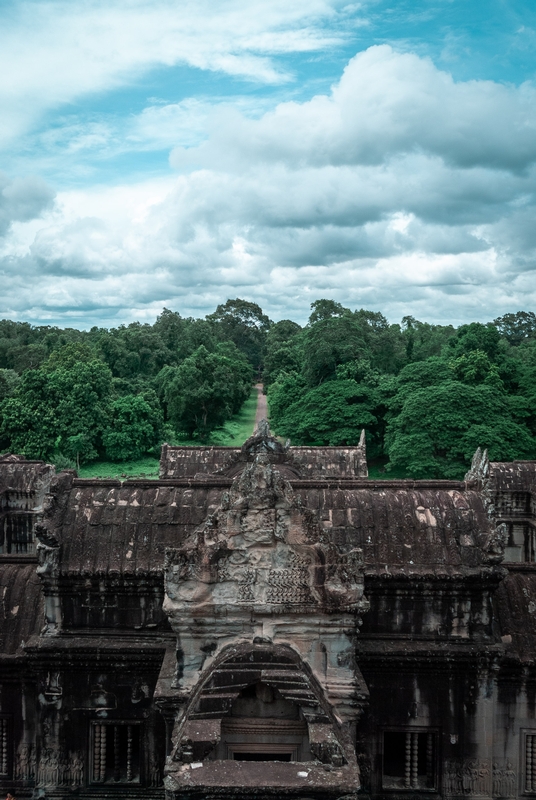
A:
(16, 534)
(5, 747)
(115, 752)
(409, 760)
(529, 772)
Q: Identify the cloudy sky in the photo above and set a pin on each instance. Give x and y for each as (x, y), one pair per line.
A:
(180, 152)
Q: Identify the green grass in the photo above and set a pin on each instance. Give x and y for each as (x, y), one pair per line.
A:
(145, 467)
(232, 434)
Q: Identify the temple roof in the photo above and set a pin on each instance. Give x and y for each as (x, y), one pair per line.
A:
(21, 609)
(513, 476)
(17, 474)
(113, 527)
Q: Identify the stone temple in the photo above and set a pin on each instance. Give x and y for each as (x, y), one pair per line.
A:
(267, 622)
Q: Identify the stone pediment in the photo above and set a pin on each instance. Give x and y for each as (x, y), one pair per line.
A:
(262, 441)
(262, 550)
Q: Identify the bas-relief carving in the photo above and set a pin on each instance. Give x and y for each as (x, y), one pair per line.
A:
(24, 764)
(54, 769)
(155, 770)
(57, 770)
(504, 780)
(481, 778)
(471, 777)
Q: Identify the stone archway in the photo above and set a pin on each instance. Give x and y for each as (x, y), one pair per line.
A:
(259, 596)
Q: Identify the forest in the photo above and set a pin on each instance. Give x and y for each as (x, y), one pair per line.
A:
(427, 395)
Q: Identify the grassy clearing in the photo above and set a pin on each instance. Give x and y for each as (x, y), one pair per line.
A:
(233, 434)
(146, 467)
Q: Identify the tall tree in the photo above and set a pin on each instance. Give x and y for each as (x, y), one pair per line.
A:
(439, 428)
(331, 414)
(202, 392)
(58, 409)
(245, 324)
(517, 327)
(333, 337)
(135, 426)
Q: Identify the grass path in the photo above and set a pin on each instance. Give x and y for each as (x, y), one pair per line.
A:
(232, 434)
(262, 404)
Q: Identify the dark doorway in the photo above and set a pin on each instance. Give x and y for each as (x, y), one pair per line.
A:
(262, 756)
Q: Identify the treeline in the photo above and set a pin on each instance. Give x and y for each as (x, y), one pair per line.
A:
(427, 395)
(73, 396)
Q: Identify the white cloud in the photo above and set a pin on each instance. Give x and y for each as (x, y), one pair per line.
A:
(56, 52)
(402, 191)
(386, 103)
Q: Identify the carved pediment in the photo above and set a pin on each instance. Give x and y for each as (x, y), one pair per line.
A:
(262, 549)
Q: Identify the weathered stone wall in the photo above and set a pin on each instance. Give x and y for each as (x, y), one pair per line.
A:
(444, 665)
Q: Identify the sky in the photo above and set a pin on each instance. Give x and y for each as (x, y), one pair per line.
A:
(177, 154)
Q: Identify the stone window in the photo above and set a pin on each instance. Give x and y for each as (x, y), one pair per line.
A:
(115, 752)
(409, 760)
(5, 747)
(16, 534)
(512, 504)
(529, 771)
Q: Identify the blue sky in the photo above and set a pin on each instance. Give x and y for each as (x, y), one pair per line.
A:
(179, 153)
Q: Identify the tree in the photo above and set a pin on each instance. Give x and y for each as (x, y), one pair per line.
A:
(474, 368)
(331, 414)
(52, 405)
(69, 355)
(288, 388)
(135, 350)
(135, 426)
(242, 372)
(384, 343)
(9, 380)
(423, 340)
(440, 427)
(517, 327)
(326, 309)
(329, 342)
(245, 324)
(171, 328)
(283, 351)
(475, 336)
(203, 392)
(417, 375)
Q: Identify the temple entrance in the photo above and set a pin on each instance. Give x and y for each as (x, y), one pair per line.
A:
(263, 726)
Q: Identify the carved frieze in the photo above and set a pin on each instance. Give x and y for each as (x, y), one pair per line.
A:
(476, 777)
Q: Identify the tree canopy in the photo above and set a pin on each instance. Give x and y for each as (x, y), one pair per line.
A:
(426, 394)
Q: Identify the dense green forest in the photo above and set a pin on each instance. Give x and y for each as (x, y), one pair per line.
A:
(427, 395)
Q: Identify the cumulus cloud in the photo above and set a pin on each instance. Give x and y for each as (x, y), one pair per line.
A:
(22, 199)
(400, 190)
(386, 103)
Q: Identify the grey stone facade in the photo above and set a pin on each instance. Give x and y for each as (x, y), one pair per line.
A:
(266, 622)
